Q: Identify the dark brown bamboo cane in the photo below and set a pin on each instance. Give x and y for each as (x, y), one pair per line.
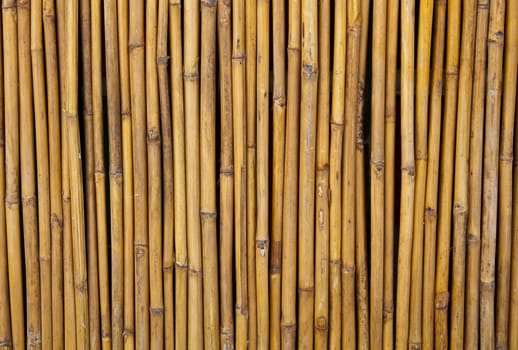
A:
(240, 178)
(321, 318)
(42, 170)
(460, 204)
(175, 31)
(208, 211)
(432, 175)
(505, 219)
(451, 75)
(289, 223)
(168, 178)
(475, 181)
(226, 175)
(279, 134)
(495, 48)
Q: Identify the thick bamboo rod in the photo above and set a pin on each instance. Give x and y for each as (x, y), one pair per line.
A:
(291, 169)
(226, 176)
(208, 210)
(279, 134)
(495, 47)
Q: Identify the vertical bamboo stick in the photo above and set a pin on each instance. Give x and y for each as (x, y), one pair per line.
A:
(475, 181)
(460, 205)
(226, 175)
(175, 35)
(138, 108)
(240, 178)
(76, 176)
(56, 205)
(208, 213)
(279, 134)
(377, 171)
(28, 180)
(432, 175)
(289, 223)
(168, 178)
(127, 175)
(335, 171)
(495, 47)
(513, 311)
(192, 136)
(451, 75)
(424, 44)
(505, 213)
(321, 318)
(42, 176)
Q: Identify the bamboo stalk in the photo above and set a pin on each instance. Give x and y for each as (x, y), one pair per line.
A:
(513, 314)
(451, 75)
(475, 181)
(424, 43)
(76, 178)
(505, 221)
(460, 205)
(208, 211)
(321, 318)
(432, 175)
(495, 47)
(377, 171)
(279, 134)
(175, 31)
(240, 134)
(335, 171)
(226, 175)
(168, 178)
(42, 175)
(136, 45)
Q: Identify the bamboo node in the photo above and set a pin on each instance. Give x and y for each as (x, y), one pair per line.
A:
(321, 324)
(191, 76)
(71, 116)
(36, 50)
(162, 60)
(43, 259)
(442, 2)
(34, 339)
(388, 312)
(506, 158)
(105, 335)
(242, 309)
(175, 3)
(379, 166)
(472, 239)
(153, 136)
(82, 286)
(181, 266)
(336, 125)
(168, 268)
(279, 100)
(430, 213)
(482, 5)
(6, 343)
(348, 269)
(487, 286)
(262, 245)
(409, 169)
(294, 49)
(140, 249)
(310, 71)
(414, 346)
(496, 39)
(354, 29)
(226, 171)
(208, 3)
(49, 17)
(11, 201)
(390, 117)
(23, 5)
(442, 301)
(9, 6)
(288, 326)
(28, 201)
(127, 332)
(208, 214)
(452, 73)
(336, 262)
(308, 290)
(194, 272)
(156, 310)
(125, 114)
(239, 58)
(135, 45)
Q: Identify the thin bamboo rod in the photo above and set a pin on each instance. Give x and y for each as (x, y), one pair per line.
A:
(208, 210)
(168, 178)
(460, 204)
(422, 82)
(290, 197)
(42, 169)
(175, 33)
(226, 175)
(432, 175)
(279, 135)
(475, 180)
(240, 178)
(505, 209)
(495, 48)
(513, 311)
(321, 317)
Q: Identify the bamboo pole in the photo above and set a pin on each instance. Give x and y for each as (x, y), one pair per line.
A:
(377, 171)
(208, 211)
(424, 44)
(226, 175)
(54, 139)
(127, 175)
(291, 161)
(321, 318)
(136, 43)
(240, 134)
(451, 75)
(42, 168)
(335, 171)
(76, 176)
(279, 134)
(505, 219)
(168, 178)
(475, 181)
(175, 34)
(460, 204)
(513, 311)
(495, 47)
(432, 175)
